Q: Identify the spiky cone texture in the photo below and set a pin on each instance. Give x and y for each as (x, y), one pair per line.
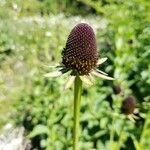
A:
(80, 53)
(80, 56)
(128, 105)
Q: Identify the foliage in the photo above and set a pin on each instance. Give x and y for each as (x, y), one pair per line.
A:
(44, 7)
(28, 42)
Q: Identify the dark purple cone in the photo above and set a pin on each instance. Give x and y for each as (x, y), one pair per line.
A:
(80, 53)
(128, 105)
(117, 89)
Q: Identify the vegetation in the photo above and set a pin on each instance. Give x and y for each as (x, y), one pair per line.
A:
(33, 34)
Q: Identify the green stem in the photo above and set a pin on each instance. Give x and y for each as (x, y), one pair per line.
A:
(112, 132)
(144, 131)
(121, 138)
(77, 99)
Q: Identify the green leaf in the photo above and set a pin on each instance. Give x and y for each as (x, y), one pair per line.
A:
(38, 130)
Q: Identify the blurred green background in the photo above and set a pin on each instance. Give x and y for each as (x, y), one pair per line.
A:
(33, 34)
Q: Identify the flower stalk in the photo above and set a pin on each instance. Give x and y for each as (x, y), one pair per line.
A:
(77, 99)
(80, 60)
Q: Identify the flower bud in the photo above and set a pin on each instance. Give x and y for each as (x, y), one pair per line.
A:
(117, 89)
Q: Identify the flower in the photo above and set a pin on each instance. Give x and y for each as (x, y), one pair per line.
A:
(80, 57)
(129, 108)
(128, 105)
(117, 89)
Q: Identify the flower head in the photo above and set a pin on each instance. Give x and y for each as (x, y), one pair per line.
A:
(80, 53)
(80, 56)
(129, 108)
(128, 105)
(117, 89)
